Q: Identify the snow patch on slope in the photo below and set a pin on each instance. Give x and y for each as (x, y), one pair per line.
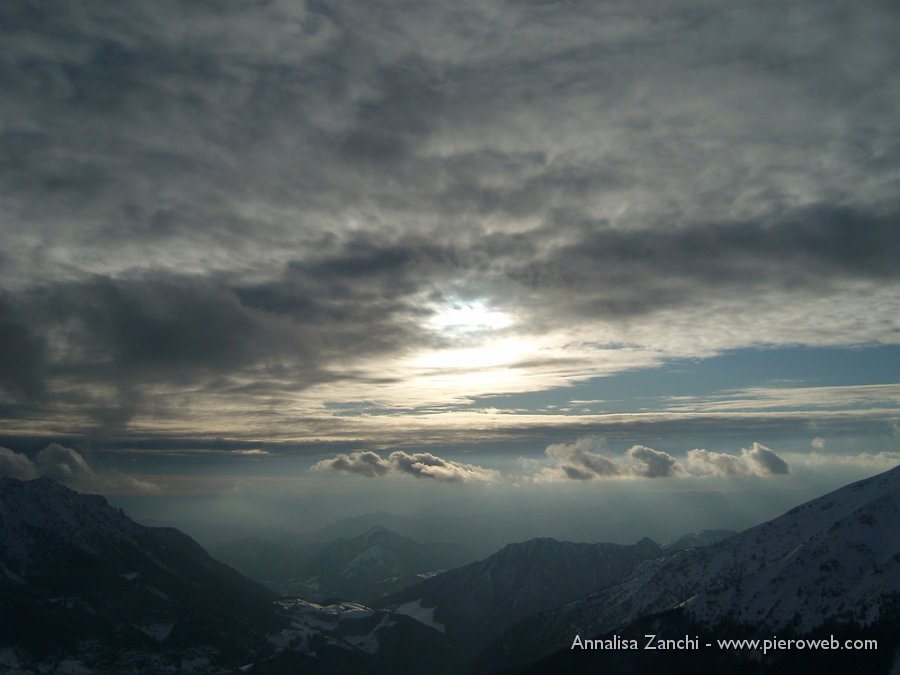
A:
(311, 621)
(158, 631)
(414, 610)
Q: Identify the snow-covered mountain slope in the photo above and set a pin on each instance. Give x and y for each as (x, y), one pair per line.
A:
(697, 539)
(84, 589)
(838, 555)
(835, 559)
(475, 603)
(79, 579)
(352, 638)
(44, 524)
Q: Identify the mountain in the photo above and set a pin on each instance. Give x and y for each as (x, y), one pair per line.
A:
(85, 589)
(352, 638)
(475, 603)
(698, 539)
(371, 565)
(355, 526)
(476, 535)
(357, 569)
(265, 560)
(80, 580)
(828, 567)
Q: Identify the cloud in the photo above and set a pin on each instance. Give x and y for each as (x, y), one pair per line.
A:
(876, 461)
(16, 465)
(23, 357)
(580, 461)
(651, 463)
(426, 465)
(364, 463)
(64, 465)
(122, 339)
(272, 197)
(418, 464)
(716, 463)
(68, 466)
(764, 461)
(758, 460)
(784, 397)
(795, 248)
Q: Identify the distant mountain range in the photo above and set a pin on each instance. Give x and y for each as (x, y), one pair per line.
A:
(269, 560)
(363, 558)
(85, 589)
(371, 565)
(359, 569)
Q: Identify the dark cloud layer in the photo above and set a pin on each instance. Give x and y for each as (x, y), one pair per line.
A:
(22, 357)
(623, 273)
(237, 203)
(150, 328)
(362, 298)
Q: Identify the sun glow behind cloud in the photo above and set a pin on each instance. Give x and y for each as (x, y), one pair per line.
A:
(479, 357)
(469, 317)
(486, 236)
(490, 353)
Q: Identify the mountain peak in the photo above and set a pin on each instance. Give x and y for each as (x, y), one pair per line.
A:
(40, 483)
(379, 530)
(123, 583)
(478, 601)
(646, 542)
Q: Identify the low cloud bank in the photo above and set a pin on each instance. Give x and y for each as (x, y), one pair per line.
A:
(577, 461)
(757, 460)
(582, 461)
(418, 464)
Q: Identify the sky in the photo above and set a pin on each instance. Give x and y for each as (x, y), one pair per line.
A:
(344, 251)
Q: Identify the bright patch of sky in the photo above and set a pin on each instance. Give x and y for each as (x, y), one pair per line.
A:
(681, 382)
